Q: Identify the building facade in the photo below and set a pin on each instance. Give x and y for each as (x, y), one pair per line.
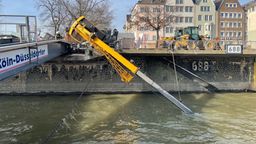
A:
(250, 20)
(205, 18)
(183, 15)
(229, 21)
(142, 9)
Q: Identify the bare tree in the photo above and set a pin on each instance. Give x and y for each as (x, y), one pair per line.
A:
(51, 13)
(97, 11)
(152, 17)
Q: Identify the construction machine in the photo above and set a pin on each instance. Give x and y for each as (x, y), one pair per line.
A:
(83, 30)
(189, 38)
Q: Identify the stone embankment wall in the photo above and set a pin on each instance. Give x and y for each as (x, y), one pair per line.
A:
(227, 74)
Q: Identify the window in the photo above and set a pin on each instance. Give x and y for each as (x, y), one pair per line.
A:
(235, 25)
(154, 20)
(227, 24)
(222, 24)
(239, 25)
(186, 9)
(253, 9)
(199, 17)
(141, 28)
(186, 20)
(150, 1)
(222, 15)
(235, 34)
(205, 8)
(245, 33)
(235, 5)
(230, 24)
(179, 1)
(171, 19)
(221, 42)
(181, 9)
(230, 34)
(226, 15)
(191, 20)
(245, 24)
(190, 9)
(230, 15)
(142, 9)
(206, 27)
(147, 36)
(171, 9)
(227, 34)
(210, 17)
(199, 27)
(156, 10)
(239, 15)
(167, 19)
(235, 15)
(171, 30)
(239, 34)
(154, 37)
(205, 1)
(181, 19)
(209, 27)
(167, 30)
(177, 9)
(231, 5)
(167, 8)
(222, 34)
(227, 5)
(206, 18)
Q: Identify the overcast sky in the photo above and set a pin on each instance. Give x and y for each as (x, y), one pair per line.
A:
(120, 7)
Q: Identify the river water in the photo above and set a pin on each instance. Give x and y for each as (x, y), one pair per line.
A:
(129, 118)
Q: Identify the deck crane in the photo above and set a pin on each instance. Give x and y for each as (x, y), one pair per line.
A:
(83, 30)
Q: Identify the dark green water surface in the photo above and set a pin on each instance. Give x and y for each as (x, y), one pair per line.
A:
(129, 118)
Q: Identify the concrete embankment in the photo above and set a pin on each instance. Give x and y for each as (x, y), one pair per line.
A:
(226, 74)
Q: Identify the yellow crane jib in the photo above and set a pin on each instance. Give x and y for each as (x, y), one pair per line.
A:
(83, 30)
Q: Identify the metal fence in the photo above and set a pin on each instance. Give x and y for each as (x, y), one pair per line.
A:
(183, 44)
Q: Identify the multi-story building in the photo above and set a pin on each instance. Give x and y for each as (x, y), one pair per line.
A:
(205, 19)
(250, 21)
(127, 26)
(183, 15)
(229, 21)
(146, 9)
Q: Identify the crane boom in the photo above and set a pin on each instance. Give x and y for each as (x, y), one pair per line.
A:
(83, 30)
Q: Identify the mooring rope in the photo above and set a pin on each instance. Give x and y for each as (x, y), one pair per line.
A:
(177, 82)
(70, 111)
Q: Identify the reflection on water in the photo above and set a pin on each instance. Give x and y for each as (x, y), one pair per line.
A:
(133, 118)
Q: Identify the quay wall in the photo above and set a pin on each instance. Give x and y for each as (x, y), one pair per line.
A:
(225, 73)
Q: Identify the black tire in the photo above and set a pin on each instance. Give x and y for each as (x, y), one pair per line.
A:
(192, 45)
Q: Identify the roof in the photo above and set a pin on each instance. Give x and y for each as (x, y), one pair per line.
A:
(248, 4)
(218, 4)
(153, 2)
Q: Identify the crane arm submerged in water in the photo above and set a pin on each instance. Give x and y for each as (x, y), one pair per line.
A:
(83, 30)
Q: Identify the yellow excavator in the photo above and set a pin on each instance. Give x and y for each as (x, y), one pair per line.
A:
(189, 38)
(83, 30)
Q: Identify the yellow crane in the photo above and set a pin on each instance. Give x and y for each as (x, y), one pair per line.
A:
(84, 30)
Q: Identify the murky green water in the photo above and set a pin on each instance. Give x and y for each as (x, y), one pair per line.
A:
(134, 118)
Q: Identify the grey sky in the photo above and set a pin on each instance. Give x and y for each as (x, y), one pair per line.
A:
(120, 7)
